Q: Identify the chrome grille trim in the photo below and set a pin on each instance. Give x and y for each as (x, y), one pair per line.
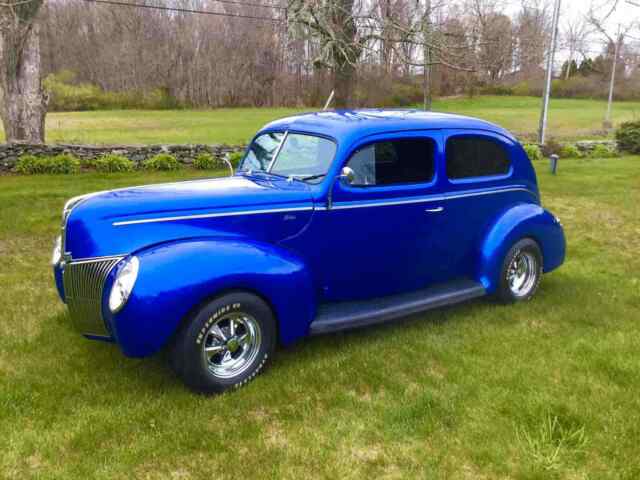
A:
(83, 286)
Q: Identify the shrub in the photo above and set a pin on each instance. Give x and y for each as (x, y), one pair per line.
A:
(501, 90)
(62, 164)
(533, 151)
(577, 87)
(602, 151)
(68, 94)
(205, 161)
(162, 161)
(404, 95)
(235, 158)
(88, 162)
(29, 164)
(521, 89)
(551, 147)
(628, 137)
(570, 151)
(110, 162)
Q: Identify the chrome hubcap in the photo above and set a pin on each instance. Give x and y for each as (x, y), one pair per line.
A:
(231, 344)
(522, 273)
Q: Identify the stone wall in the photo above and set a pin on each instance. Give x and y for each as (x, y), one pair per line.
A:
(9, 153)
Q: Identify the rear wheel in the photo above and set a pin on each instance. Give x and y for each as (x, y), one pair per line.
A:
(226, 343)
(521, 272)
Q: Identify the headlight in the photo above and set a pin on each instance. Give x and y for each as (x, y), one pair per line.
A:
(56, 256)
(123, 284)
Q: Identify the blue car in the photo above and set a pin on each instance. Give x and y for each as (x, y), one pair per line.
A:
(334, 220)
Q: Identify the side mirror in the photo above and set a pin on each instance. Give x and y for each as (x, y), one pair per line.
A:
(347, 175)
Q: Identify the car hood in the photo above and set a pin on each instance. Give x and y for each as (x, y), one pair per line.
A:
(121, 221)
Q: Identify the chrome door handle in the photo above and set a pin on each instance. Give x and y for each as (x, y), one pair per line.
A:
(434, 210)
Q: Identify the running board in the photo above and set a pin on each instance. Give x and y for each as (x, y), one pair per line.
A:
(333, 317)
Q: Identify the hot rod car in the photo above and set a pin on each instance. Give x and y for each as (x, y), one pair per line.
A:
(333, 220)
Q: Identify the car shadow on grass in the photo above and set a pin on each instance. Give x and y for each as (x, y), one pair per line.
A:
(103, 366)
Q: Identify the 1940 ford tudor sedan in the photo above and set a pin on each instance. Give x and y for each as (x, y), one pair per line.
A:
(334, 220)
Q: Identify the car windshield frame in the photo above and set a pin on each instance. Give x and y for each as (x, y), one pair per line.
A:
(313, 175)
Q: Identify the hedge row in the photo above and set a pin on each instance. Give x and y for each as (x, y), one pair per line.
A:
(567, 150)
(66, 163)
(628, 137)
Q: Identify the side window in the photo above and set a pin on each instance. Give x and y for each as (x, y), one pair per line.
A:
(475, 156)
(407, 160)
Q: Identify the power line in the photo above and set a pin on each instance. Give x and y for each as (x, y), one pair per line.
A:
(184, 10)
(249, 4)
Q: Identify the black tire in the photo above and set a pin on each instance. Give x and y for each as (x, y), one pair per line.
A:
(210, 330)
(527, 251)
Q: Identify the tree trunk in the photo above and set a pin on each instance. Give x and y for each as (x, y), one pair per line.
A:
(343, 84)
(345, 54)
(23, 106)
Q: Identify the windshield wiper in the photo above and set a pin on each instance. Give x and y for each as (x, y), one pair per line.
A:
(312, 177)
(261, 172)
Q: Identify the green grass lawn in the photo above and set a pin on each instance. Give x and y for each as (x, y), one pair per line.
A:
(546, 389)
(568, 119)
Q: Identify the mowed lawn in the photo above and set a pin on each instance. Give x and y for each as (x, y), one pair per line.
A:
(568, 120)
(546, 389)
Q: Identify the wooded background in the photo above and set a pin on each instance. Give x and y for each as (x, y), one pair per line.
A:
(212, 61)
(214, 53)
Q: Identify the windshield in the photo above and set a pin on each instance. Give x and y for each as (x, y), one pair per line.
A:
(290, 154)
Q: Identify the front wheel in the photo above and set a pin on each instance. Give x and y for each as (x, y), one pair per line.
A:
(226, 343)
(521, 272)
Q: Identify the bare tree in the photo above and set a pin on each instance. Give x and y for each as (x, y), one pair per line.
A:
(333, 22)
(576, 32)
(532, 35)
(23, 102)
(371, 51)
(599, 20)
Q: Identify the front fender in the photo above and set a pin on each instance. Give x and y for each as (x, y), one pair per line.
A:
(176, 277)
(517, 222)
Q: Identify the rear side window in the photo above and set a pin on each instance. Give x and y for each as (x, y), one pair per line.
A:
(409, 160)
(475, 156)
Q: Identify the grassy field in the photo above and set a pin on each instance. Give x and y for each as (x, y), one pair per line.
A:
(546, 389)
(568, 119)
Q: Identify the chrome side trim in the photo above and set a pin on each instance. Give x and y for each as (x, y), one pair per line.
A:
(336, 206)
(211, 215)
(422, 199)
(84, 282)
(489, 192)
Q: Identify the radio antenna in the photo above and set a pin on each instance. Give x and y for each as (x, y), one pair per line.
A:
(329, 100)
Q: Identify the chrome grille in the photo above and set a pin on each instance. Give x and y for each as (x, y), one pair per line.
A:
(83, 285)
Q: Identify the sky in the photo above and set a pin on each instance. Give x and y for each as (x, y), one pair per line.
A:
(625, 14)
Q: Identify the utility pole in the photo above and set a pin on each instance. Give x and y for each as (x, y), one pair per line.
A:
(426, 37)
(547, 84)
(614, 64)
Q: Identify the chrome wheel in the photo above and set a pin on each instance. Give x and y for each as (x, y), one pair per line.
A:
(231, 344)
(522, 273)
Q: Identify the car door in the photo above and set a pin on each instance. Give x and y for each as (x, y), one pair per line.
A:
(478, 178)
(379, 228)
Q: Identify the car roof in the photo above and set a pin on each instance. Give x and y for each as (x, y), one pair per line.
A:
(349, 124)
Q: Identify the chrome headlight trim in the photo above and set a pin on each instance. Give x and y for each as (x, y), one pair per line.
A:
(123, 284)
(56, 255)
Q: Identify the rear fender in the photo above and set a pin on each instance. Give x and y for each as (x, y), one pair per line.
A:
(174, 278)
(518, 222)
